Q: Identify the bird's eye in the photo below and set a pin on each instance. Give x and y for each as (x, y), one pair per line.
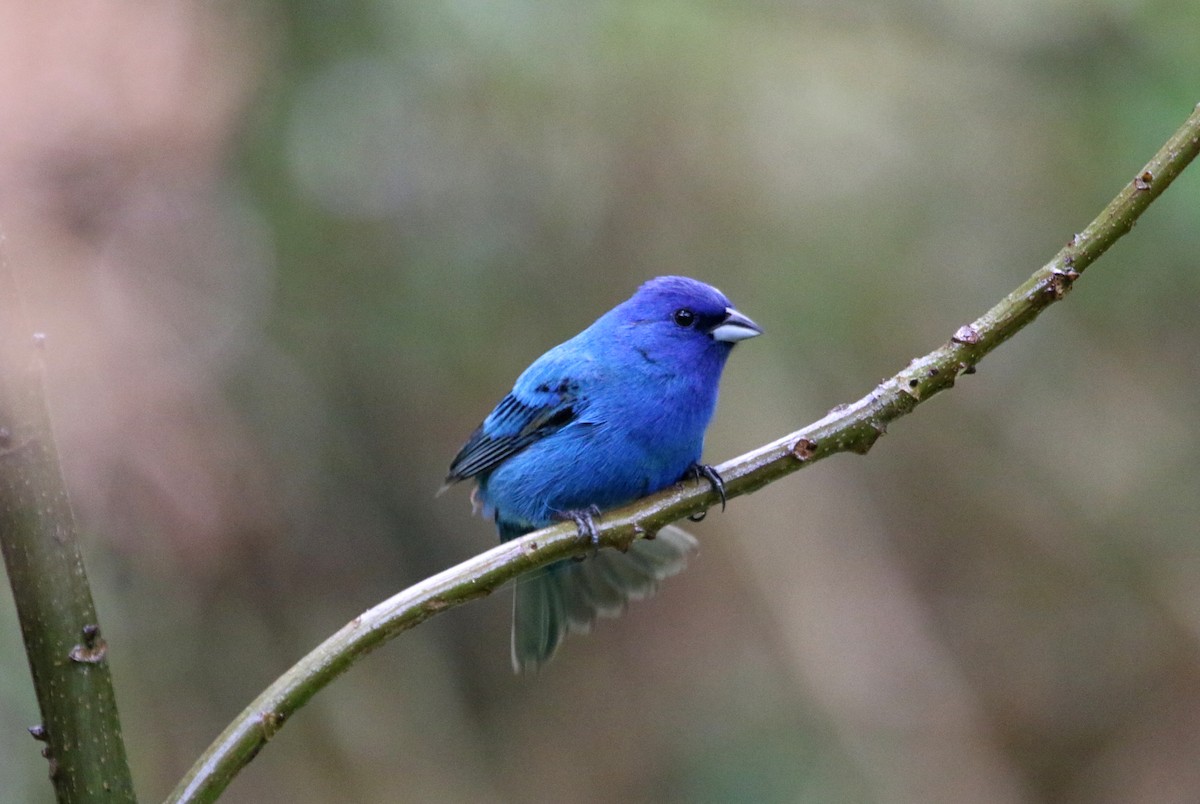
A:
(684, 317)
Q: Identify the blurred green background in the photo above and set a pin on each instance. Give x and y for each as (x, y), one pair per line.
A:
(289, 254)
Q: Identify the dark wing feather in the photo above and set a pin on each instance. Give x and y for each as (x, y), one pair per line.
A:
(511, 427)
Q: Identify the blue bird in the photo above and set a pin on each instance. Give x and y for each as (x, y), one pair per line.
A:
(615, 413)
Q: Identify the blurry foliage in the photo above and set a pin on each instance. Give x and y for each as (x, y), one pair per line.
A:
(289, 254)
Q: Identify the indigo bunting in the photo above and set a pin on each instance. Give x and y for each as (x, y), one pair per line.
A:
(614, 413)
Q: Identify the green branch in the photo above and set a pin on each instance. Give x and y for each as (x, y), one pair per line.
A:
(852, 428)
(80, 727)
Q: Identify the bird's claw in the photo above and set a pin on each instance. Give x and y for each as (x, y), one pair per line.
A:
(704, 471)
(585, 521)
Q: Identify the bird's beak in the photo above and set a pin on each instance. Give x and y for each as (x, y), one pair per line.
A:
(734, 327)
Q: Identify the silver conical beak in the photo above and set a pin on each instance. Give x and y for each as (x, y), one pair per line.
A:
(735, 327)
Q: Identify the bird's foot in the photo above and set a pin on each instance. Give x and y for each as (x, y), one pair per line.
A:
(585, 521)
(698, 471)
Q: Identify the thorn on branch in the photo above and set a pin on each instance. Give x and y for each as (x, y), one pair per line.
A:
(623, 543)
(1060, 282)
(966, 334)
(93, 650)
(1143, 181)
(40, 734)
(271, 722)
(803, 449)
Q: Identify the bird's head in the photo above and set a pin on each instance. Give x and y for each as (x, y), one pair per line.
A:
(683, 317)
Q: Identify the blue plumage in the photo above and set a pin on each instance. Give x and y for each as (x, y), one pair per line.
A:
(610, 415)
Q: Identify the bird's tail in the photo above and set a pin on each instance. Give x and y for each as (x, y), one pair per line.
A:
(569, 596)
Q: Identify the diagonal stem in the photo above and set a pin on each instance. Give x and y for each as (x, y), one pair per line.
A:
(849, 428)
(66, 651)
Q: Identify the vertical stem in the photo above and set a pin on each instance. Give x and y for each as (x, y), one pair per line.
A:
(66, 651)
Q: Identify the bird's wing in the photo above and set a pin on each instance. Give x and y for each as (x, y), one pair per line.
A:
(545, 399)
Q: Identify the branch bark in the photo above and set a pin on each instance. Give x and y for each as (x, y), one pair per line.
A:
(848, 428)
(67, 654)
